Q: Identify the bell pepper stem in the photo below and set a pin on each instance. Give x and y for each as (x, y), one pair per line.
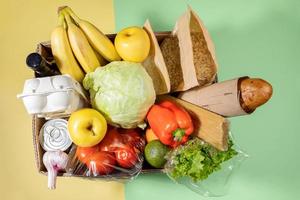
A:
(178, 134)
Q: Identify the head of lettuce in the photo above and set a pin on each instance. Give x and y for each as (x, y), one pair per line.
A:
(122, 91)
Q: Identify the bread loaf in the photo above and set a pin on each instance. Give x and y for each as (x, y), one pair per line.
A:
(254, 93)
(240, 96)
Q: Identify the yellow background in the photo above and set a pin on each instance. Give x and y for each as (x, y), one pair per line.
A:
(24, 23)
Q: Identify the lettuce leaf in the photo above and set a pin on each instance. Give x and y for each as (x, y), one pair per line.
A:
(197, 160)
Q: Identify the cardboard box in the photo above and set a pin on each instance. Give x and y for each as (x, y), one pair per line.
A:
(45, 50)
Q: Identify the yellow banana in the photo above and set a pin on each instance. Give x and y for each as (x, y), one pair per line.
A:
(81, 48)
(62, 52)
(101, 60)
(97, 39)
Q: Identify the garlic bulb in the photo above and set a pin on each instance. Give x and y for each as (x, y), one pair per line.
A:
(54, 161)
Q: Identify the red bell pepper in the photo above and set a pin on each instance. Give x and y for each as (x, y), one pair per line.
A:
(170, 122)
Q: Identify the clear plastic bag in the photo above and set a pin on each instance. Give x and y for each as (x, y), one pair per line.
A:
(217, 183)
(119, 156)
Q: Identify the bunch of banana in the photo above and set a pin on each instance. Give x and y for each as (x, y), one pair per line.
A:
(77, 44)
(62, 52)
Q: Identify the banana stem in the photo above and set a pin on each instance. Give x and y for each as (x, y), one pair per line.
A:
(67, 17)
(65, 25)
(61, 19)
(73, 15)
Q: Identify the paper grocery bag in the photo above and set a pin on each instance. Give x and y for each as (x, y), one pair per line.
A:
(182, 40)
(197, 53)
(155, 65)
(222, 98)
(182, 31)
(172, 57)
(204, 56)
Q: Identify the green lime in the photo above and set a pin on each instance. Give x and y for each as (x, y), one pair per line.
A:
(155, 152)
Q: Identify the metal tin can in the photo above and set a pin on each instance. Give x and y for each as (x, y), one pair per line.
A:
(54, 135)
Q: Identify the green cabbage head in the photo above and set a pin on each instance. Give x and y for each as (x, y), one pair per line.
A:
(122, 91)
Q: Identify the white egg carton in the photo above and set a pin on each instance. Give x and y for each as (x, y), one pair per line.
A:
(53, 96)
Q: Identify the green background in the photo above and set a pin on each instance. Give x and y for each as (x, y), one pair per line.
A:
(258, 38)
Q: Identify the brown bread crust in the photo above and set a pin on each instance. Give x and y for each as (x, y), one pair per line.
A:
(254, 92)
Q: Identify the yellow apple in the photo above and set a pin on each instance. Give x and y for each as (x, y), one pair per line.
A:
(87, 127)
(133, 44)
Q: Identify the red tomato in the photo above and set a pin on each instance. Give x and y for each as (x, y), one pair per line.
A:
(133, 138)
(126, 156)
(101, 163)
(111, 141)
(83, 153)
(130, 135)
